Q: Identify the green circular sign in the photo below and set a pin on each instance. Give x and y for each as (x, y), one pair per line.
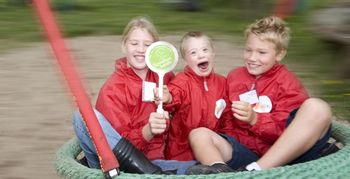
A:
(161, 57)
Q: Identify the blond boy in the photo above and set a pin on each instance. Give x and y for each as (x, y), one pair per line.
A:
(275, 122)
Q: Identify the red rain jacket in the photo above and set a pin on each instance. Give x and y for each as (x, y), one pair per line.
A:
(192, 106)
(286, 94)
(120, 101)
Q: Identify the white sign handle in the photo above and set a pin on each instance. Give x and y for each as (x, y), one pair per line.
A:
(160, 93)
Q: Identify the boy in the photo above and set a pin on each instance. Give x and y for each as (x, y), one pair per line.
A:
(197, 96)
(274, 118)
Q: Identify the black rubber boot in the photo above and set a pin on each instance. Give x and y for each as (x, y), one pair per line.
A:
(205, 169)
(132, 160)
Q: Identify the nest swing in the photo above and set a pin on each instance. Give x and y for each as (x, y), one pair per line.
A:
(336, 165)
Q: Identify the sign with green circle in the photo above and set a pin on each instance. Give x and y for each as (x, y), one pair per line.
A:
(161, 57)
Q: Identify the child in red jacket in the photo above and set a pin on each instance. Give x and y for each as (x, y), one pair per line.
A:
(275, 122)
(134, 131)
(197, 96)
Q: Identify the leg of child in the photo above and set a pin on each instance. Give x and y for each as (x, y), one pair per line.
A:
(85, 140)
(209, 147)
(310, 123)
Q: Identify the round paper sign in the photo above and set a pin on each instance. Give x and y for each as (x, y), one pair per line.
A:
(161, 57)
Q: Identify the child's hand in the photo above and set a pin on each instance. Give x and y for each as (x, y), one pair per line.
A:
(158, 122)
(243, 111)
(167, 98)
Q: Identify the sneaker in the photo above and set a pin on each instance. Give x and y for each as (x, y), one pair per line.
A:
(83, 161)
(331, 147)
(205, 169)
(170, 172)
(241, 169)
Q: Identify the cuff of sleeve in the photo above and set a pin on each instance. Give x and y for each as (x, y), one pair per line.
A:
(258, 122)
(169, 107)
(143, 142)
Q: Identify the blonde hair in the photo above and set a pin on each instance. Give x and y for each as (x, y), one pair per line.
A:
(193, 34)
(142, 23)
(272, 29)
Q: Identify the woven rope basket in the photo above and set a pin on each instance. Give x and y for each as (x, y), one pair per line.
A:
(336, 165)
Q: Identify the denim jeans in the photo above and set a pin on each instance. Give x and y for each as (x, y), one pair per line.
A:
(113, 138)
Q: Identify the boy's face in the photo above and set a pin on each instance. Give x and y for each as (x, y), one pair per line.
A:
(199, 55)
(260, 55)
(135, 48)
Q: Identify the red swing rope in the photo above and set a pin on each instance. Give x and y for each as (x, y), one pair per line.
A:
(107, 159)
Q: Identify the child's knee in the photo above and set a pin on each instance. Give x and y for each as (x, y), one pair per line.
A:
(198, 133)
(77, 119)
(79, 125)
(320, 108)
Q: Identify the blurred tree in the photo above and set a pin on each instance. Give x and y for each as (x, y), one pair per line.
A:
(332, 24)
(253, 9)
(18, 2)
(183, 5)
(64, 5)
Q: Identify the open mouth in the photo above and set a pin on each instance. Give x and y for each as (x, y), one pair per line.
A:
(203, 65)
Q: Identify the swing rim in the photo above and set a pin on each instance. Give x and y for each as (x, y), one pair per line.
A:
(332, 166)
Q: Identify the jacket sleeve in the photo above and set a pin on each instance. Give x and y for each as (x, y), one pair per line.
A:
(269, 126)
(226, 124)
(177, 94)
(168, 77)
(113, 106)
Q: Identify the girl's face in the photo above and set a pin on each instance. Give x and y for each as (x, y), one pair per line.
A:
(260, 55)
(135, 48)
(199, 55)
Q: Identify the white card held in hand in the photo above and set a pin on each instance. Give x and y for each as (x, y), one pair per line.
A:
(219, 107)
(264, 105)
(148, 91)
(250, 97)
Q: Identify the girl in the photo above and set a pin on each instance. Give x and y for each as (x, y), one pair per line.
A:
(134, 131)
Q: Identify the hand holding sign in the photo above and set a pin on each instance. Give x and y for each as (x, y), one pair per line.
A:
(161, 57)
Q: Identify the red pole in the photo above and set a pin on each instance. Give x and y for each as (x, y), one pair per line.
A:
(107, 159)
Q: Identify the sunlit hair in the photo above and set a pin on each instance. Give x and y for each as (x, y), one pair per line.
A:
(272, 29)
(193, 34)
(142, 23)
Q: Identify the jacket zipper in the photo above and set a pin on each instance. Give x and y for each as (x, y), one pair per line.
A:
(205, 85)
(253, 86)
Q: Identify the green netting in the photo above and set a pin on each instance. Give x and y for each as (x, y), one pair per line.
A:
(336, 165)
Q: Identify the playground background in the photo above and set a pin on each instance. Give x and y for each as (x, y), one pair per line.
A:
(36, 109)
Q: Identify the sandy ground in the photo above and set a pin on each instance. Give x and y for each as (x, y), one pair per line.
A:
(36, 108)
